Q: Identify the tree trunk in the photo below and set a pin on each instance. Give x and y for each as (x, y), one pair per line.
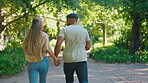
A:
(104, 34)
(1, 20)
(1, 29)
(135, 42)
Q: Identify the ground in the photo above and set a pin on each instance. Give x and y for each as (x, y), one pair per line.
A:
(98, 73)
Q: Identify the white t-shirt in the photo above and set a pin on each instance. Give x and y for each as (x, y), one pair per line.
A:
(75, 42)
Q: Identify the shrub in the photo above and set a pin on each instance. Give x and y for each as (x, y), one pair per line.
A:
(114, 54)
(12, 59)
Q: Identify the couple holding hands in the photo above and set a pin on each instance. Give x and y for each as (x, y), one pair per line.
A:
(36, 46)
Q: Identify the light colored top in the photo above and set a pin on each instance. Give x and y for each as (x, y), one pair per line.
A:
(41, 52)
(75, 42)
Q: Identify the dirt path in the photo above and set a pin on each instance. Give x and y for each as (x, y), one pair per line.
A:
(98, 73)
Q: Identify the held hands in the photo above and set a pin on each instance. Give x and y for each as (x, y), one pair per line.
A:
(57, 62)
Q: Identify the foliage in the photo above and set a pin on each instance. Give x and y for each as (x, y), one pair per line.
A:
(124, 40)
(134, 11)
(114, 54)
(12, 59)
(96, 17)
(15, 16)
(144, 36)
(115, 15)
(51, 32)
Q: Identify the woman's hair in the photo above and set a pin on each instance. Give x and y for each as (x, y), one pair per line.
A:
(30, 43)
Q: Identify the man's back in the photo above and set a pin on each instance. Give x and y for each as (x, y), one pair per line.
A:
(75, 42)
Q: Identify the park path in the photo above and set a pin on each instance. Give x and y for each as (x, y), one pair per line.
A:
(98, 73)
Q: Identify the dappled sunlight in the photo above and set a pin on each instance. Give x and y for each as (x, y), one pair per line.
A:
(145, 76)
(140, 73)
(119, 73)
(94, 77)
(118, 78)
(145, 69)
(117, 30)
(1, 47)
(110, 69)
(97, 73)
(90, 70)
(55, 76)
(129, 82)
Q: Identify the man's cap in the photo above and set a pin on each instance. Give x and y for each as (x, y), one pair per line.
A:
(72, 15)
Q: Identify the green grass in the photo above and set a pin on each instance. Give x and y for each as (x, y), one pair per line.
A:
(114, 54)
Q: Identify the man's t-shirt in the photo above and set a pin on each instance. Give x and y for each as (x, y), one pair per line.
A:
(75, 42)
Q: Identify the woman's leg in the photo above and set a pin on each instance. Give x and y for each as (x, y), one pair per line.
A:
(32, 72)
(43, 69)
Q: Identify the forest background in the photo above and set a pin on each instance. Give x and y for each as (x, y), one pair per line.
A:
(118, 28)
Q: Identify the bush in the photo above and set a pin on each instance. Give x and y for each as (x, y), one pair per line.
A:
(12, 59)
(114, 54)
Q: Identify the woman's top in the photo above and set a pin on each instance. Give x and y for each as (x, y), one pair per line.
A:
(43, 46)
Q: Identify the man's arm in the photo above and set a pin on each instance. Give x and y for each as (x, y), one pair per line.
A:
(56, 60)
(58, 45)
(87, 47)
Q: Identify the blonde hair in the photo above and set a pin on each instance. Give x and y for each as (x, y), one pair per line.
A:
(30, 43)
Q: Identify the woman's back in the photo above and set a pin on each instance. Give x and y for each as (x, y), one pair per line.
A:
(39, 50)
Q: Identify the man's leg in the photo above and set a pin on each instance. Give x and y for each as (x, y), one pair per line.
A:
(82, 72)
(69, 69)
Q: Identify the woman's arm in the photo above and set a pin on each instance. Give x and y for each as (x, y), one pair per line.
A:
(56, 60)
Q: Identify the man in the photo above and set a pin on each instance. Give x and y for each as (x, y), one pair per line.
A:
(77, 41)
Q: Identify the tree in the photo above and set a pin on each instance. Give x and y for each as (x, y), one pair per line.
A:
(13, 10)
(134, 10)
(99, 18)
(138, 10)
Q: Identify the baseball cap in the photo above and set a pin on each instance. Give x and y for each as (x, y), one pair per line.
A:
(72, 15)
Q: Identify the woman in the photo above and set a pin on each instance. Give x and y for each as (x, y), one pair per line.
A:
(36, 46)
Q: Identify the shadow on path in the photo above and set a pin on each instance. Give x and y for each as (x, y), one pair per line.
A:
(98, 73)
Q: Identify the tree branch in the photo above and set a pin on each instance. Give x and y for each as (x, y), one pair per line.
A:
(53, 19)
(24, 14)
